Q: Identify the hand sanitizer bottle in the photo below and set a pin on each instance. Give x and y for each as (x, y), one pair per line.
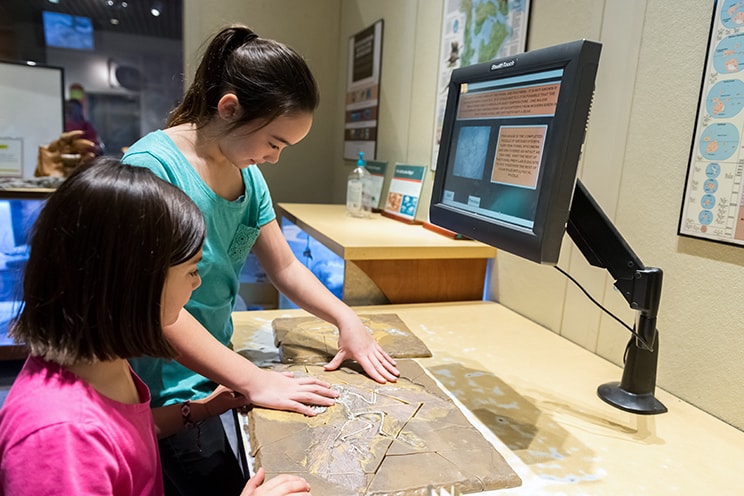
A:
(358, 197)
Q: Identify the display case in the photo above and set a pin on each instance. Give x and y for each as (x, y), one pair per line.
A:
(19, 208)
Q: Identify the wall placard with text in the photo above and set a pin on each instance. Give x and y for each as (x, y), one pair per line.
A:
(363, 92)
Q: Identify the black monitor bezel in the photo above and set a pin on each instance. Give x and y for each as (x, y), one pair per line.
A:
(579, 61)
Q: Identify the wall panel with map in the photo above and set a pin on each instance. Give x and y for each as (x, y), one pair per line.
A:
(713, 203)
(475, 31)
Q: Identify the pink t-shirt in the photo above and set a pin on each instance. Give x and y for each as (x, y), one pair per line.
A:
(58, 435)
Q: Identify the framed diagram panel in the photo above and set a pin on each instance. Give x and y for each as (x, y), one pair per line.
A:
(713, 202)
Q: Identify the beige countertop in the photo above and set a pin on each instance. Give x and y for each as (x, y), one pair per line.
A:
(377, 237)
(533, 395)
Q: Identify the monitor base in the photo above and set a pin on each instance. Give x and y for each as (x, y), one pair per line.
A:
(642, 404)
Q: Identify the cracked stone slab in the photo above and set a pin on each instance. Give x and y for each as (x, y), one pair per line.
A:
(402, 438)
(312, 340)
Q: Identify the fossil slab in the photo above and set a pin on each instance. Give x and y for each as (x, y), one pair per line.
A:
(402, 438)
(312, 340)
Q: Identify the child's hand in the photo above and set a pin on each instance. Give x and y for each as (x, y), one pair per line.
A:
(284, 391)
(281, 485)
(356, 343)
(221, 400)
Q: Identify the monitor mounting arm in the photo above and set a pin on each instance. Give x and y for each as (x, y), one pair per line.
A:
(603, 246)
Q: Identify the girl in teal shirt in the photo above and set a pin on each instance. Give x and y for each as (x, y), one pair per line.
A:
(250, 99)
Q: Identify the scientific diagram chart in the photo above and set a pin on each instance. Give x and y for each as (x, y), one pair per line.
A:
(713, 205)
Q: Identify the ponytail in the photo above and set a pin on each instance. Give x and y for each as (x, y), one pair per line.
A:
(269, 79)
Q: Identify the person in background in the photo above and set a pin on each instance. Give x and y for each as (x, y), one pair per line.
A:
(113, 259)
(75, 121)
(250, 99)
(77, 92)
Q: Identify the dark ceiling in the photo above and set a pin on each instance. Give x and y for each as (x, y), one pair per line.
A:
(132, 16)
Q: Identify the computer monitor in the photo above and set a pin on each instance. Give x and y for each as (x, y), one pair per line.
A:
(510, 145)
(67, 31)
(511, 141)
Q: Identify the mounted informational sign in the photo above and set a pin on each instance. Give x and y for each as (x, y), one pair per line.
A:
(31, 112)
(475, 31)
(377, 171)
(713, 203)
(405, 190)
(363, 92)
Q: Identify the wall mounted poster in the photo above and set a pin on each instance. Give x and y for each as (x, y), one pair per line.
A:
(713, 203)
(475, 31)
(363, 93)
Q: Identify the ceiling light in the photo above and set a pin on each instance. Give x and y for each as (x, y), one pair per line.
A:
(156, 9)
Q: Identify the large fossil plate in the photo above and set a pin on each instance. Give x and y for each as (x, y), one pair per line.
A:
(401, 438)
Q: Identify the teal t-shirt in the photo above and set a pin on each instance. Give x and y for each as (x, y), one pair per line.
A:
(232, 229)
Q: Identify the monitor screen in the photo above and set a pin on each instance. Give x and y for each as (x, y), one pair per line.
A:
(67, 31)
(511, 140)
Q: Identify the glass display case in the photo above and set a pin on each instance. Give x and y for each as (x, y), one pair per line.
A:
(19, 209)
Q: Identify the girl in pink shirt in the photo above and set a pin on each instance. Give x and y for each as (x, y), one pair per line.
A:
(113, 259)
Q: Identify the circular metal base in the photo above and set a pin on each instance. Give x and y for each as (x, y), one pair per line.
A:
(642, 404)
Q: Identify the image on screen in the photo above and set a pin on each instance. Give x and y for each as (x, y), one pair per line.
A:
(472, 146)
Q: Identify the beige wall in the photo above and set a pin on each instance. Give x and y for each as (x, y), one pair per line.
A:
(634, 163)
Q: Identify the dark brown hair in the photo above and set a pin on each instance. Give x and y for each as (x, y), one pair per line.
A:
(269, 78)
(100, 253)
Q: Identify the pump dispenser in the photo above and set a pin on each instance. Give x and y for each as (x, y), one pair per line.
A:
(358, 198)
